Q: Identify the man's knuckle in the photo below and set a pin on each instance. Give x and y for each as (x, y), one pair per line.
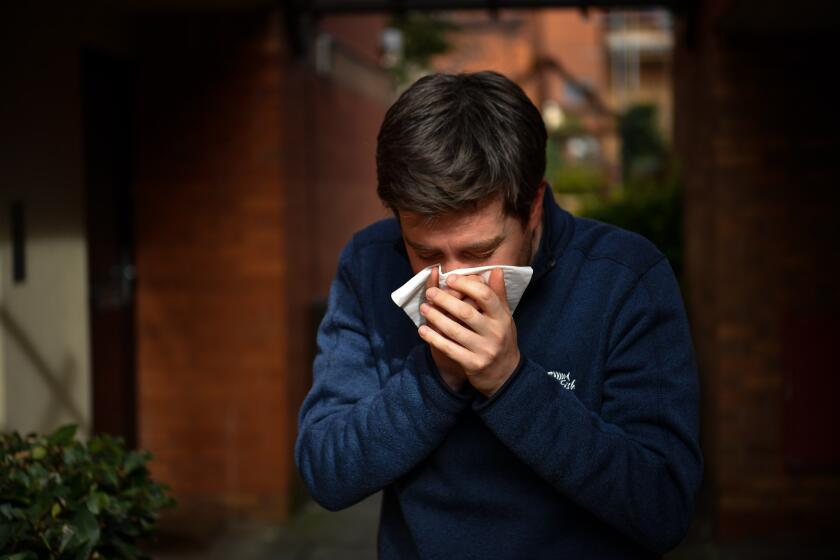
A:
(466, 313)
(482, 360)
(450, 329)
(485, 294)
(498, 338)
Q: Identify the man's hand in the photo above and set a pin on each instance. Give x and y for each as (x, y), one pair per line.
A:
(451, 372)
(480, 340)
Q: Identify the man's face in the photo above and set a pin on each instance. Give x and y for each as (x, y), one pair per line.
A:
(481, 237)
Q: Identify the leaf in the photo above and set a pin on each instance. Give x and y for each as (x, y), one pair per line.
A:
(11, 513)
(64, 498)
(5, 534)
(125, 549)
(24, 454)
(20, 556)
(67, 534)
(20, 477)
(87, 532)
(97, 502)
(110, 477)
(133, 461)
(63, 435)
(38, 476)
(72, 455)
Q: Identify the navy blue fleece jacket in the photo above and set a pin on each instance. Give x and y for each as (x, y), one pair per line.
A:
(589, 450)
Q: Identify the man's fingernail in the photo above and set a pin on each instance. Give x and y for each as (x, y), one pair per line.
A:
(430, 293)
(452, 278)
(424, 308)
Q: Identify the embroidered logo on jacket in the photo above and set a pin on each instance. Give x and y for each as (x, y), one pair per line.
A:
(565, 379)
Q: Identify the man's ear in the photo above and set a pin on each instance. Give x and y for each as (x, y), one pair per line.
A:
(537, 206)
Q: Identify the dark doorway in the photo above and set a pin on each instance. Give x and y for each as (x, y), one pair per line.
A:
(108, 87)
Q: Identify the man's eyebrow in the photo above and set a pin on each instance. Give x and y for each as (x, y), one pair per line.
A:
(478, 246)
(485, 245)
(417, 246)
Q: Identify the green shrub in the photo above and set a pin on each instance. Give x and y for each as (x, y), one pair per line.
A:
(654, 212)
(60, 498)
(650, 201)
(644, 152)
(579, 179)
(425, 35)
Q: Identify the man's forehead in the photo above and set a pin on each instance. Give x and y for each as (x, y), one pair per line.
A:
(485, 213)
(465, 231)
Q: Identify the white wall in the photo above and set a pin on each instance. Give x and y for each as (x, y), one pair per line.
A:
(45, 375)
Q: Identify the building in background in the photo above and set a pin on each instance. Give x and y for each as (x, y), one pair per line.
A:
(176, 180)
(584, 69)
(639, 48)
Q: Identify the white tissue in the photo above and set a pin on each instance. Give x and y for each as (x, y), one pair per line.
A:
(410, 295)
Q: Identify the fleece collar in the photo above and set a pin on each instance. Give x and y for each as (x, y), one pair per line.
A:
(558, 228)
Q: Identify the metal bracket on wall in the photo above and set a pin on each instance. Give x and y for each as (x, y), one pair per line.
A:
(17, 220)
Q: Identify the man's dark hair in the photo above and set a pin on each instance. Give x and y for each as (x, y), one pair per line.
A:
(452, 141)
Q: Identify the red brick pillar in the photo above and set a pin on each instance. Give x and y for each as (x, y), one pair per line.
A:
(213, 275)
(757, 135)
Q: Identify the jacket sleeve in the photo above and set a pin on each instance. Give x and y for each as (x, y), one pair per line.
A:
(356, 432)
(635, 463)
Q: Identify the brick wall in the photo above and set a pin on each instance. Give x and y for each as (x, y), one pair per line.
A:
(329, 168)
(344, 170)
(211, 248)
(755, 132)
(252, 174)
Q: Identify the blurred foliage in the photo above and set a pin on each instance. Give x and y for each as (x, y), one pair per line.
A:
(644, 153)
(654, 212)
(424, 36)
(579, 179)
(650, 200)
(62, 499)
(567, 177)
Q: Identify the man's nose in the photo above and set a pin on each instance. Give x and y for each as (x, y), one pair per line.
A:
(450, 265)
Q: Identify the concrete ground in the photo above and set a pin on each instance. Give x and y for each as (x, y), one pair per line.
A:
(312, 534)
(317, 534)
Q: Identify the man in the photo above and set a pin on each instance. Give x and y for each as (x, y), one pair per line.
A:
(566, 430)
